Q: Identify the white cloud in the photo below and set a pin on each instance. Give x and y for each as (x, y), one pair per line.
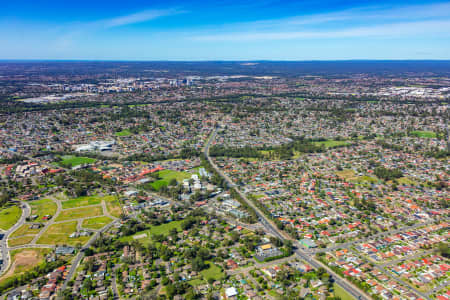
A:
(138, 17)
(355, 22)
(387, 30)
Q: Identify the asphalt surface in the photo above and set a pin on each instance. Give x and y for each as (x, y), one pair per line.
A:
(272, 229)
(26, 210)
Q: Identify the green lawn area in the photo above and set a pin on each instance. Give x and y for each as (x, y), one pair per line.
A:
(23, 240)
(42, 207)
(24, 229)
(96, 223)
(58, 234)
(75, 160)
(350, 175)
(124, 132)
(78, 213)
(213, 272)
(81, 201)
(113, 206)
(160, 229)
(340, 292)
(167, 175)
(423, 134)
(332, 143)
(366, 179)
(196, 282)
(9, 216)
(406, 181)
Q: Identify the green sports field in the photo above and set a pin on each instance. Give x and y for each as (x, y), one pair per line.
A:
(423, 134)
(124, 132)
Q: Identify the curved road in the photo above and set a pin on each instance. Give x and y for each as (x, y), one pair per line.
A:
(26, 210)
(271, 228)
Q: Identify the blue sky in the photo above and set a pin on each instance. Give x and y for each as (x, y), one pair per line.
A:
(224, 30)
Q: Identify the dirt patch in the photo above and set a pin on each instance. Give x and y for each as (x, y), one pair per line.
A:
(24, 260)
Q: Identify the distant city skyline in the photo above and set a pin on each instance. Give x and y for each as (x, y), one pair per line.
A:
(225, 30)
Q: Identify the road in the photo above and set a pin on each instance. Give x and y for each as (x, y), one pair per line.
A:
(261, 265)
(396, 278)
(26, 210)
(373, 237)
(76, 261)
(50, 222)
(271, 228)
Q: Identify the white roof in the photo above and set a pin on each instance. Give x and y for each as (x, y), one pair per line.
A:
(230, 292)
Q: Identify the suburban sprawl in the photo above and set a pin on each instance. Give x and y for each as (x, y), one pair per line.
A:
(224, 181)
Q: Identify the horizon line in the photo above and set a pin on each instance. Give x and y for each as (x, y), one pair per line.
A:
(226, 60)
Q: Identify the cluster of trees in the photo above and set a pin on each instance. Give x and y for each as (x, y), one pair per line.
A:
(12, 160)
(388, 174)
(444, 250)
(386, 145)
(4, 198)
(27, 277)
(148, 157)
(438, 154)
(246, 151)
(282, 152)
(132, 226)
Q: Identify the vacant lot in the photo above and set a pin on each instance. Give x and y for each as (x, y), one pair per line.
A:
(23, 230)
(24, 260)
(81, 201)
(113, 206)
(58, 234)
(43, 207)
(78, 213)
(9, 216)
(19, 241)
(167, 175)
(423, 134)
(75, 160)
(96, 223)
